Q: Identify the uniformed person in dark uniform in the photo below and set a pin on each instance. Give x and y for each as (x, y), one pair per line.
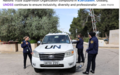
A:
(27, 50)
(79, 46)
(92, 52)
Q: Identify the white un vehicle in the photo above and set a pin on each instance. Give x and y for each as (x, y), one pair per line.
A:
(55, 52)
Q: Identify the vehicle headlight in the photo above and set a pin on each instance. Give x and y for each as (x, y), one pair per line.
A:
(35, 54)
(69, 53)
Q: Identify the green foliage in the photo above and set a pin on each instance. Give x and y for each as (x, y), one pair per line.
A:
(35, 23)
(19, 41)
(109, 21)
(78, 23)
(59, 31)
(33, 41)
(86, 39)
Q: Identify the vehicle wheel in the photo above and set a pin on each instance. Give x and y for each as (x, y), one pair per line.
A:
(38, 70)
(73, 69)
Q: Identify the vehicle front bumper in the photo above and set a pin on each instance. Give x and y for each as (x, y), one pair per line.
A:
(67, 62)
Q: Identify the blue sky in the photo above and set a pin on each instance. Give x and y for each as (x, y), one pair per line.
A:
(65, 18)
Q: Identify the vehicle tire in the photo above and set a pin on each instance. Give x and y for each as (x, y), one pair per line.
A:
(38, 70)
(73, 69)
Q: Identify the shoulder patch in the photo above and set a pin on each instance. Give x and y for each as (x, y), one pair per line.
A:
(21, 42)
(78, 39)
(91, 41)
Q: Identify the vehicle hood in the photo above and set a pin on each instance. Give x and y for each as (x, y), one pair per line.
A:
(53, 48)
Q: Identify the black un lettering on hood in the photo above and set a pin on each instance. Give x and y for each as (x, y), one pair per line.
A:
(53, 46)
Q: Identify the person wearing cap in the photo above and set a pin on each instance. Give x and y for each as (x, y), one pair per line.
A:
(92, 53)
(27, 50)
(79, 47)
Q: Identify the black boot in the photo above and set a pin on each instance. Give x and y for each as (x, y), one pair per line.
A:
(82, 61)
(86, 73)
(24, 67)
(77, 62)
(92, 71)
(31, 62)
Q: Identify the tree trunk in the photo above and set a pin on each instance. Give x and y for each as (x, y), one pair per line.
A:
(106, 35)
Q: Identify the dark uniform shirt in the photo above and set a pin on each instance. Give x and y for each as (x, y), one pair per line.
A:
(79, 43)
(26, 47)
(93, 46)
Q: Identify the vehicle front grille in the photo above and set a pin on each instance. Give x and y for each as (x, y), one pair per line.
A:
(58, 56)
(60, 65)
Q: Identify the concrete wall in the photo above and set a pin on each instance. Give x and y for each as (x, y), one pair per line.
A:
(114, 37)
(101, 43)
(8, 47)
(12, 47)
(32, 45)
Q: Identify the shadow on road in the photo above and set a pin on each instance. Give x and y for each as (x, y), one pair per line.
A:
(59, 72)
(28, 66)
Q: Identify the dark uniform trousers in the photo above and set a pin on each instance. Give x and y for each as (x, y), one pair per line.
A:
(80, 55)
(91, 60)
(25, 58)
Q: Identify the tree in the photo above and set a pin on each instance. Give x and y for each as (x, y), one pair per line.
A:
(78, 23)
(36, 23)
(109, 21)
(6, 24)
(106, 19)
(59, 31)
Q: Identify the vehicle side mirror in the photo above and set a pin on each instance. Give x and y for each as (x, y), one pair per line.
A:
(38, 43)
(74, 41)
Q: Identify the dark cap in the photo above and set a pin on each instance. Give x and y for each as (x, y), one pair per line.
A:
(92, 34)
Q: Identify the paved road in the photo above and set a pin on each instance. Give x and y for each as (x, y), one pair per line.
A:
(12, 64)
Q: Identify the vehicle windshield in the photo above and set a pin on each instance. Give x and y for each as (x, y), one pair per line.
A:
(56, 39)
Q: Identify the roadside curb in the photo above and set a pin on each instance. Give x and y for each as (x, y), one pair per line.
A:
(106, 46)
